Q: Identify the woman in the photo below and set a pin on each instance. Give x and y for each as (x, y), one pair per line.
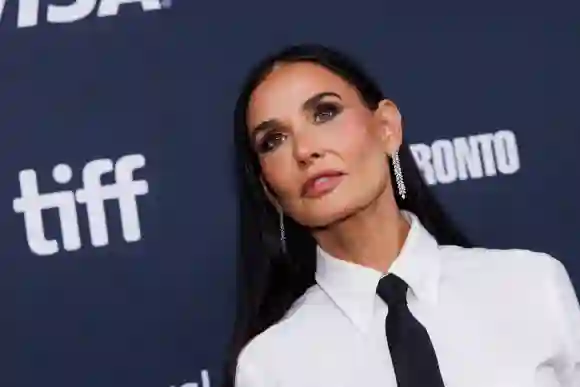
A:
(351, 274)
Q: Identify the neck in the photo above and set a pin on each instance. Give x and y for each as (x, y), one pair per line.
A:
(373, 237)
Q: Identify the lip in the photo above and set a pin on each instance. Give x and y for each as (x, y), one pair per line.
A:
(322, 183)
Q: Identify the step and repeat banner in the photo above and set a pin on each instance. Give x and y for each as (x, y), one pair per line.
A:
(117, 203)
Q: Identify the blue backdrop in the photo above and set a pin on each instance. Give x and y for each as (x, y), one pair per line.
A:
(132, 284)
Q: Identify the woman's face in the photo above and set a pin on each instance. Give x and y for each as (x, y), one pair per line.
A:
(323, 153)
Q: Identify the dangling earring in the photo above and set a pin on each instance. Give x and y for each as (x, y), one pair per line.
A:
(399, 175)
(282, 232)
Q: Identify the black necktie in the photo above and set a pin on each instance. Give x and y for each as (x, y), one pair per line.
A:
(413, 355)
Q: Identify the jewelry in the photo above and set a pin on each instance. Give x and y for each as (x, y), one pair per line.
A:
(397, 170)
(282, 232)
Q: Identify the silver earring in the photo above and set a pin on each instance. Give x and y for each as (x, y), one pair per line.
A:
(397, 170)
(282, 232)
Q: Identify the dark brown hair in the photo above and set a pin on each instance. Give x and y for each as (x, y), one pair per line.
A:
(270, 280)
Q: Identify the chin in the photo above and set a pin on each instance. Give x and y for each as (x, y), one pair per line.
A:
(325, 216)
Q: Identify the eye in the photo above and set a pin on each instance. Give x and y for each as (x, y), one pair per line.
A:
(270, 141)
(325, 111)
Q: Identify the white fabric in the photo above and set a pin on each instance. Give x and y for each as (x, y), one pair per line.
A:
(497, 318)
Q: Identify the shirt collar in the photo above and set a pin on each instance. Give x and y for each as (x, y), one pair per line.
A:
(353, 287)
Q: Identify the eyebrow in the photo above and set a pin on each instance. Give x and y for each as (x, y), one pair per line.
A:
(309, 104)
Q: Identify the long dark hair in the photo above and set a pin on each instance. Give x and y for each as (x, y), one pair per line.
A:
(270, 280)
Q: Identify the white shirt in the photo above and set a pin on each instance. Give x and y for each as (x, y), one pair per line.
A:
(497, 318)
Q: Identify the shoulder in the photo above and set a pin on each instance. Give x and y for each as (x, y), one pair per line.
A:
(528, 283)
(497, 261)
(512, 273)
(515, 271)
(271, 351)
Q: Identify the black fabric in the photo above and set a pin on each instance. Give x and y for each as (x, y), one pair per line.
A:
(414, 358)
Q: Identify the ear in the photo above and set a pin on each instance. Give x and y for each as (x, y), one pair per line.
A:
(390, 126)
(271, 197)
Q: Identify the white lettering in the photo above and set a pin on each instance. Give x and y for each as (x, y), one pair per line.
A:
(204, 381)
(506, 152)
(29, 11)
(486, 143)
(27, 15)
(75, 11)
(462, 158)
(444, 161)
(468, 158)
(422, 155)
(2, 7)
(31, 203)
(111, 7)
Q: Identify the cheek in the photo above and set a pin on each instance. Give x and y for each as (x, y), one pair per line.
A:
(365, 159)
(356, 143)
(278, 172)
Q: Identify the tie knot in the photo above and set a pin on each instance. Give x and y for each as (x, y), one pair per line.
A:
(393, 290)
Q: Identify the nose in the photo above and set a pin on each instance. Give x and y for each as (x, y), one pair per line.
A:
(306, 148)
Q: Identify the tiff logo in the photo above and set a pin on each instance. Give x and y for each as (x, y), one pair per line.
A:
(93, 195)
(204, 381)
(29, 11)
